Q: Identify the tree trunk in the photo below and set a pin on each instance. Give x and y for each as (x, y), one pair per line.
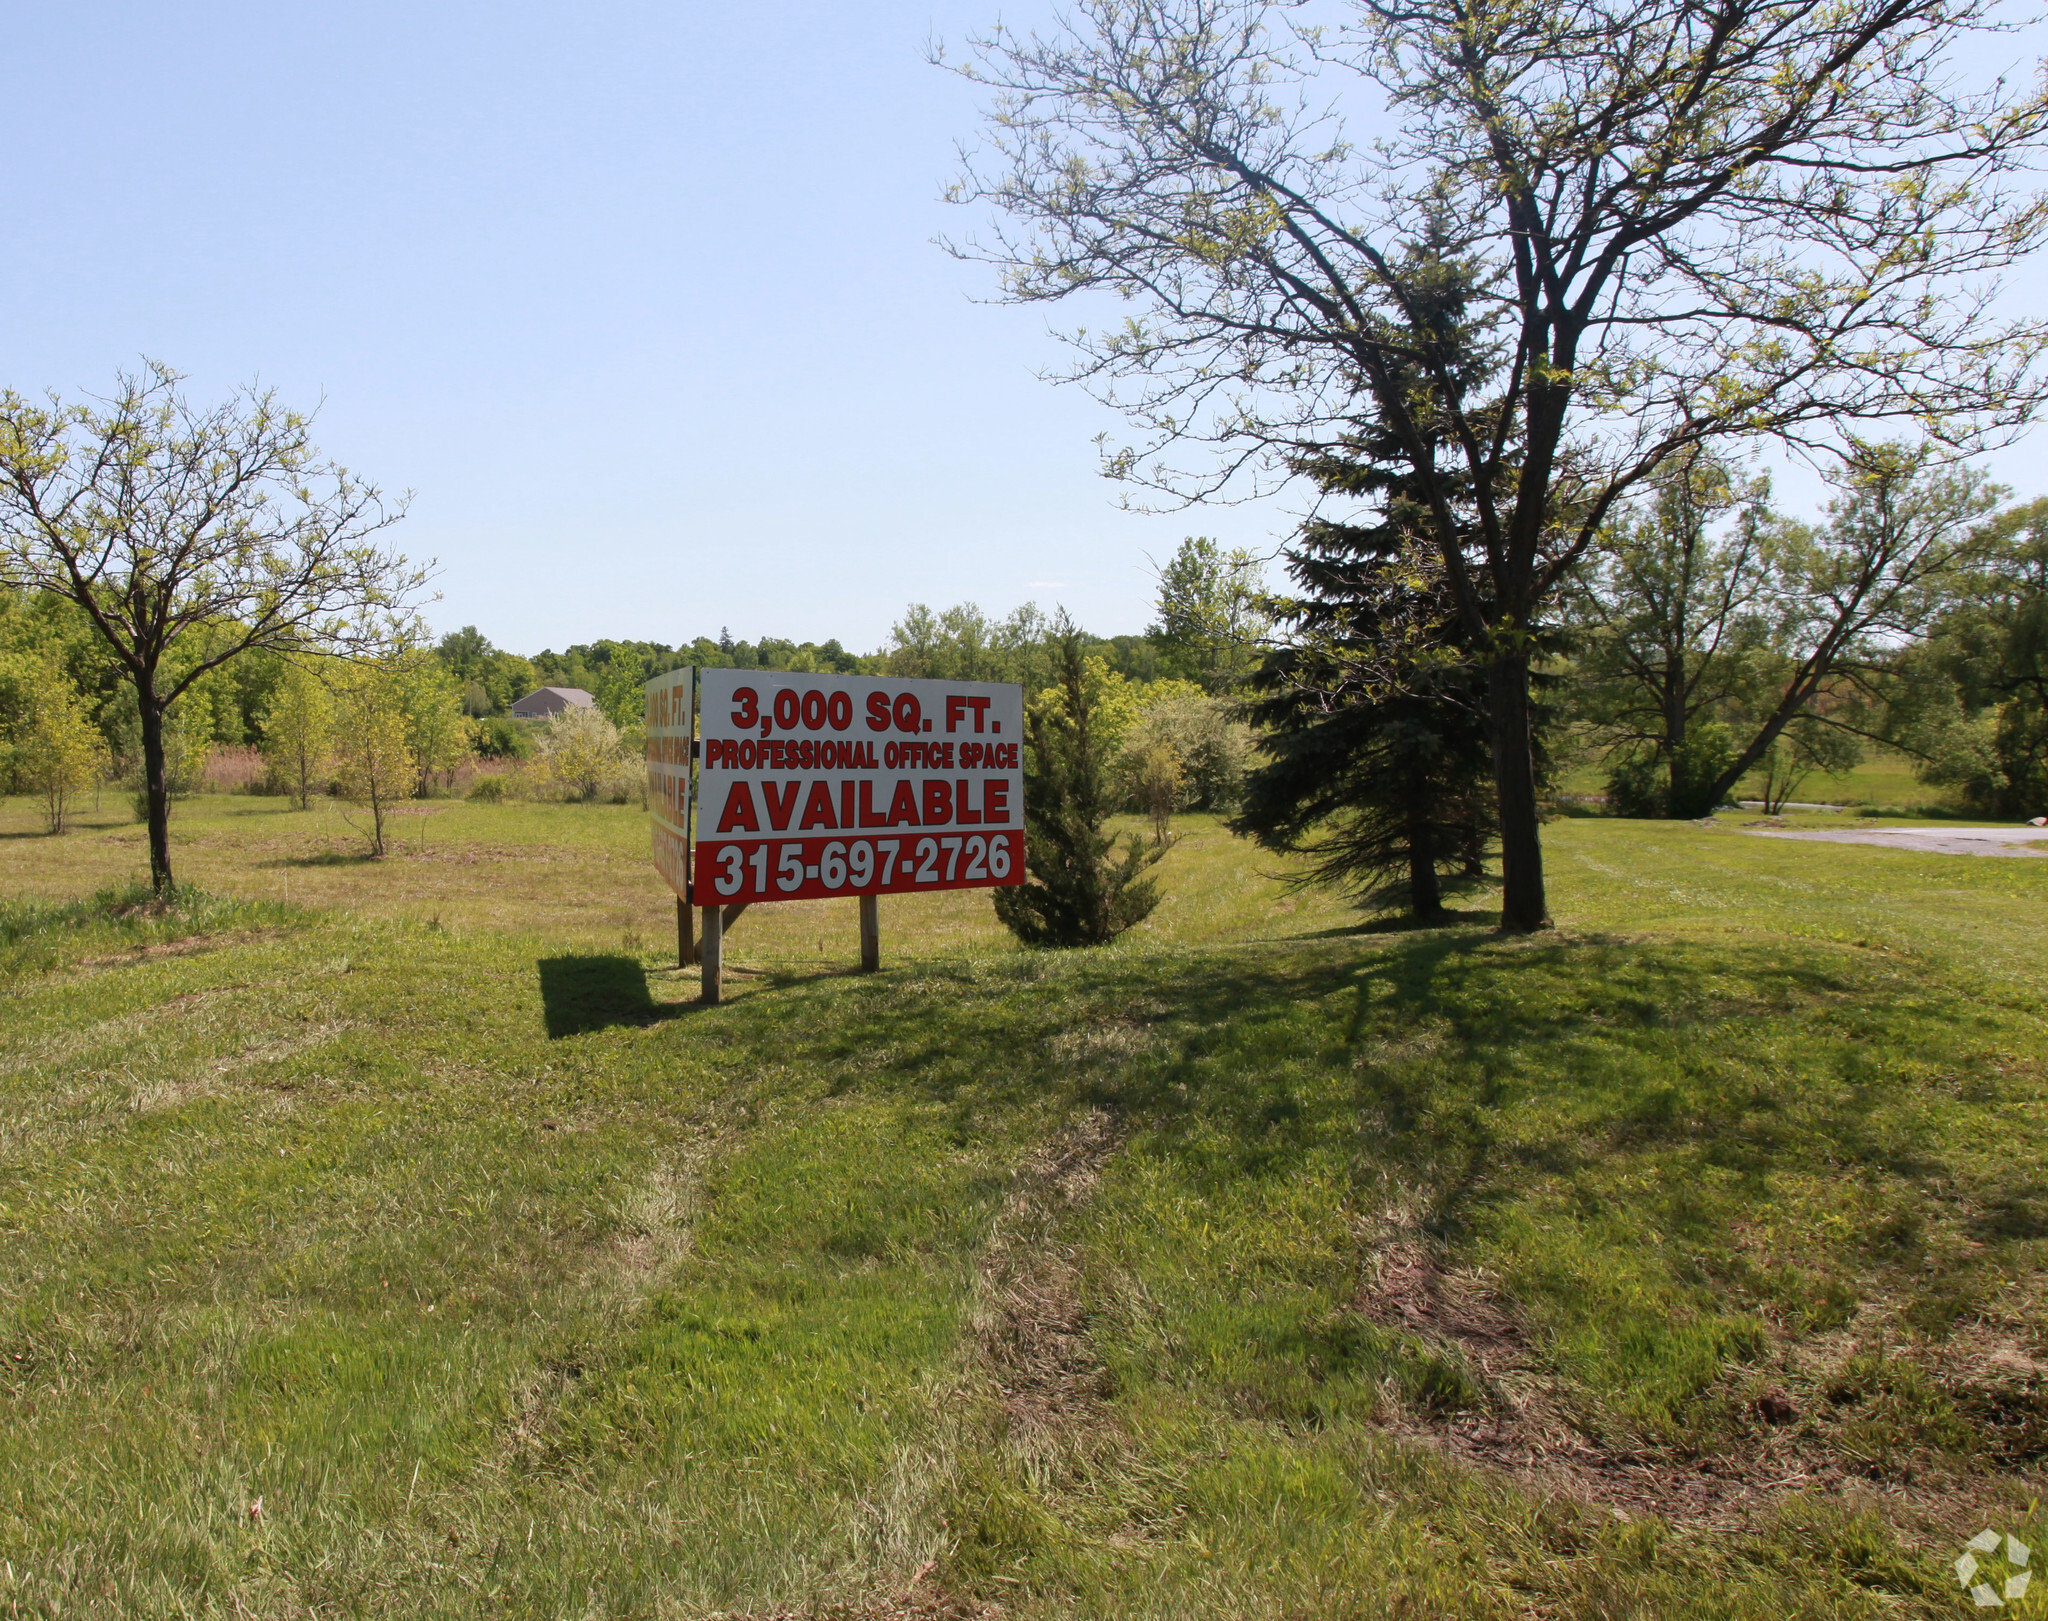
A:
(1425, 899)
(1674, 732)
(1523, 907)
(156, 791)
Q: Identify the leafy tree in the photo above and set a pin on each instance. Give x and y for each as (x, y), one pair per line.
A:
(1702, 222)
(54, 751)
(1674, 612)
(964, 643)
(1717, 638)
(1903, 530)
(374, 763)
(498, 738)
(191, 537)
(492, 680)
(1210, 619)
(298, 731)
(1156, 776)
(1078, 891)
(1204, 738)
(440, 737)
(1987, 660)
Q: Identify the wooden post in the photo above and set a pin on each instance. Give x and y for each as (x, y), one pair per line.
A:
(686, 936)
(870, 934)
(711, 953)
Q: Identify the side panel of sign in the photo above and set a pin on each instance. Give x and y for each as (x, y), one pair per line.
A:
(820, 785)
(668, 776)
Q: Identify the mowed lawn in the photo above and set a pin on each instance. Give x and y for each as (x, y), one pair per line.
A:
(398, 1239)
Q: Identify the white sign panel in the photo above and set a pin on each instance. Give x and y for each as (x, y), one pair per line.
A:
(668, 776)
(820, 785)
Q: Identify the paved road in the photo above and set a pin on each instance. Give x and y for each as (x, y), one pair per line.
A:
(1947, 841)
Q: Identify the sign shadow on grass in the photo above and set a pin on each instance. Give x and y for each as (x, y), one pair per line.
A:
(582, 994)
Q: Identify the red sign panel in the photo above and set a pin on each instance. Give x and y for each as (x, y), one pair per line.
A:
(811, 786)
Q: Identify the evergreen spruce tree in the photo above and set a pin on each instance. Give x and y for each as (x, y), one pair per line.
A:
(1379, 764)
(1379, 752)
(1078, 891)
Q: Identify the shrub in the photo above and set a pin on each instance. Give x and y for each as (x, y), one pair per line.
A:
(583, 758)
(499, 737)
(1211, 746)
(1078, 891)
(489, 789)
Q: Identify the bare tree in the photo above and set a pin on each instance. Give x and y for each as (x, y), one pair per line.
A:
(1687, 220)
(190, 536)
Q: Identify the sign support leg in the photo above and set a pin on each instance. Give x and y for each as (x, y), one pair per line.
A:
(686, 941)
(712, 954)
(870, 934)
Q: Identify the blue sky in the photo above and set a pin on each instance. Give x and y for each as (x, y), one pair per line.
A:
(640, 300)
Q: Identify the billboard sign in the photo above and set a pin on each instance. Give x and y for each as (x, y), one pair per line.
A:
(668, 776)
(812, 786)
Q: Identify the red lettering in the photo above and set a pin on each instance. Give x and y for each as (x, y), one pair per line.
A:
(846, 802)
(902, 805)
(878, 711)
(738, 815)
(818, 808)
(980, 708)
(868, 818)
(780, 805)
(938, 802)
(908, 712)
(965, 801)
(995, 800)
(956, 711)
(814, 710)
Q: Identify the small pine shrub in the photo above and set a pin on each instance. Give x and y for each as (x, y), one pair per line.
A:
(1078, 891)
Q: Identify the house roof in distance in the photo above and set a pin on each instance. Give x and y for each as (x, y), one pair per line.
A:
(552, 701)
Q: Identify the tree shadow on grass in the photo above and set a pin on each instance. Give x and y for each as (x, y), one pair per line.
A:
(328, 858)
(1658, 1109)
(1402, 923)
(1633, 1048)
(582, 994)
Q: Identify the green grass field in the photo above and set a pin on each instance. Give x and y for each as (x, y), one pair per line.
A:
(1273, 1263)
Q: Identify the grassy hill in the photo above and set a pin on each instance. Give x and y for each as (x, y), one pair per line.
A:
(1686, 1262)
